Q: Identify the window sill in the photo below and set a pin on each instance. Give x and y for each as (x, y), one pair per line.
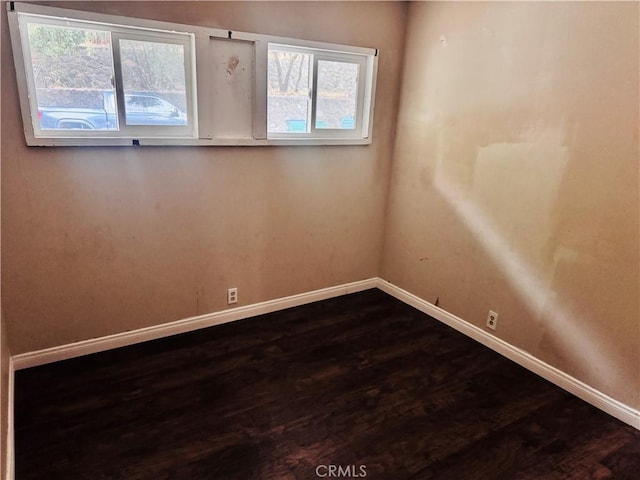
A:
(187, 142)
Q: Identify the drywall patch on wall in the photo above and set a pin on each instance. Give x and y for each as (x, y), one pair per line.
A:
(510, 216)
(516, 174)
(516, 185)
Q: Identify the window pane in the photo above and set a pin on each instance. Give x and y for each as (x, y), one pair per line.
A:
(153, 76)
(73, 72)
(288, 103)
(337, 95)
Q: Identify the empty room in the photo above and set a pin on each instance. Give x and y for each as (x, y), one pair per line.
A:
(303, 240)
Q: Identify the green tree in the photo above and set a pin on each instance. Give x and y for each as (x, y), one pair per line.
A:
(55, 41)
(64, 57)
(151, 66)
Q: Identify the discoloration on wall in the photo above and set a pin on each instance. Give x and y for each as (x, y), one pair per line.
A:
(516, 169)
(98, 241)
(232, 64)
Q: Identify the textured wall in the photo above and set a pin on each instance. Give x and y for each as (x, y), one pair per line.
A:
(104, 240)
(515, 178)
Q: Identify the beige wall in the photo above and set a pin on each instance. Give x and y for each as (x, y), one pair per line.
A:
(515, 178)
(514, 187)
(5, 355)
(104, 240)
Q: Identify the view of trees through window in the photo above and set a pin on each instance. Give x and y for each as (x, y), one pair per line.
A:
(73, 71)
(71, 66)
(337, 94)
(156, 70)
(87, 78)
(289, 103)
(289, 87)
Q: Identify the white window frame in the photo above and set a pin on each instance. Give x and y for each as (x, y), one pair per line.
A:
(117, 32)
(198, 75)
(187, 41)
(317, 55)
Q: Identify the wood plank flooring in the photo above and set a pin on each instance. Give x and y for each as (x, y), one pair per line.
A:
(361, 382)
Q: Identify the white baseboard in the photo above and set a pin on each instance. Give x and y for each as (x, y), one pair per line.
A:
(94, 345)
(9, 449)
(589, 394)
(563, 380)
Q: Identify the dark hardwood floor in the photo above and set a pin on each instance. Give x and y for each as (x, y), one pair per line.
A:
(362, 382)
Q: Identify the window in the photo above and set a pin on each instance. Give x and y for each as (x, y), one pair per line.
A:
(87, 78)
(315, 93)
(90, 79)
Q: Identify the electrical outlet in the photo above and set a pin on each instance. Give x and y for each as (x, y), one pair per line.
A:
(492, 320)
(232, 296)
